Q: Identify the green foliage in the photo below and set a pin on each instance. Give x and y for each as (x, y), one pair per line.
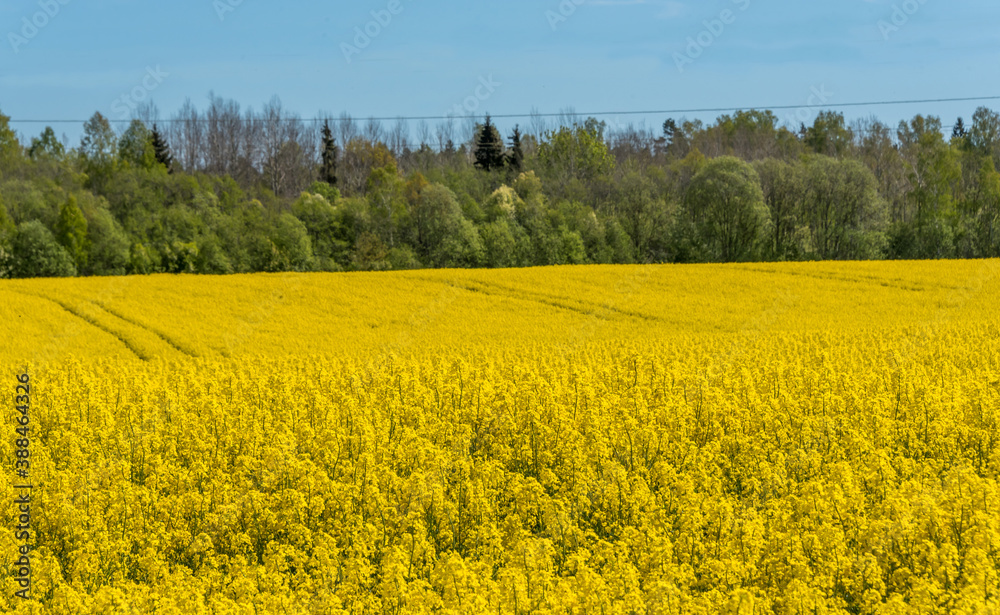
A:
(499, 245)
(10, 147)
(577, 154)
(829, 135)
(329, 153)
(440, 232)
(7, 231)
(643, 213)
(784, 187)
(328, 192)
(489, 149)
(574, 195)
(402, 258)
(726, 206)
(109, 252)
(136, 148)
(71, 232)
(46, 146)
(291, 237)
(933, 172)
(515, 157)
(984, 134)
(503, 204)
(161, 149)
(843, 210)
(37, 254)
(370, 253)
(99, 152)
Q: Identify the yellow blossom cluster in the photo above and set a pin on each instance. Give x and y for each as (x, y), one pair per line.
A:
(754, 439)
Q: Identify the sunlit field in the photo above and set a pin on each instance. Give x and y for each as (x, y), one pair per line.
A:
(746, 439)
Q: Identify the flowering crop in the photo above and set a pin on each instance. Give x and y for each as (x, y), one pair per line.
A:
(802, 438)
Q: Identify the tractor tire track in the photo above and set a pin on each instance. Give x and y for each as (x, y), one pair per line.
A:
(166, 339)
(91, 321)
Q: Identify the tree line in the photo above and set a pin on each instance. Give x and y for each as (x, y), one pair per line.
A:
(227, 190)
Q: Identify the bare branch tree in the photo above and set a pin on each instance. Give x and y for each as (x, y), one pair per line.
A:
(537, 125)
(374, 131)
(424, 133)
(399, 137)
(347, 129)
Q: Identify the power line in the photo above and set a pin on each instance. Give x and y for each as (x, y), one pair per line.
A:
(573, 113)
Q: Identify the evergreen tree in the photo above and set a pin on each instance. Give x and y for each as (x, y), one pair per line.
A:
(669, 130)
(958, 132)
(515, 158)
(161, 149)
(328, 171)
(489, 147)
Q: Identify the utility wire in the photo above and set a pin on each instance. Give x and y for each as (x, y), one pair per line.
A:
(573, 113)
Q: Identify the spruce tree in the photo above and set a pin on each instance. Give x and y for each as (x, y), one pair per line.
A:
(328, 171)
(515, 158)
(958, 132)
(489, 147)
(162, 150)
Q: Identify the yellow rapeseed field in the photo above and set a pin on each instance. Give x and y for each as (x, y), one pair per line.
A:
(745, 439)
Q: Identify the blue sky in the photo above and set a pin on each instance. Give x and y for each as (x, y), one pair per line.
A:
(598, 55)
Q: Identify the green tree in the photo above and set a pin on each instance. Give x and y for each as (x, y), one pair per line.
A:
(321, 219)
(958, 130)
(842, 207)
(71, 232)
(984, 134)
(933, 175)
(10, 147)
(46, 146)
(370, 253)
(329, 153)
(385, 192)
(499, 243)
(135, 147)
(489, 148)
(7, 232)
(291, 237)
(784, 187)
(161, 149)
(442, 235)
(515, 157)
(980, 209)
(99, 151)
(644, 214)
(749, 135)
(572, 158)
(108, 245)
(829, 135)
(37, 254)
(726, 205)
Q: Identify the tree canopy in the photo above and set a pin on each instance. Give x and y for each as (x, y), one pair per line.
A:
(225, 190)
